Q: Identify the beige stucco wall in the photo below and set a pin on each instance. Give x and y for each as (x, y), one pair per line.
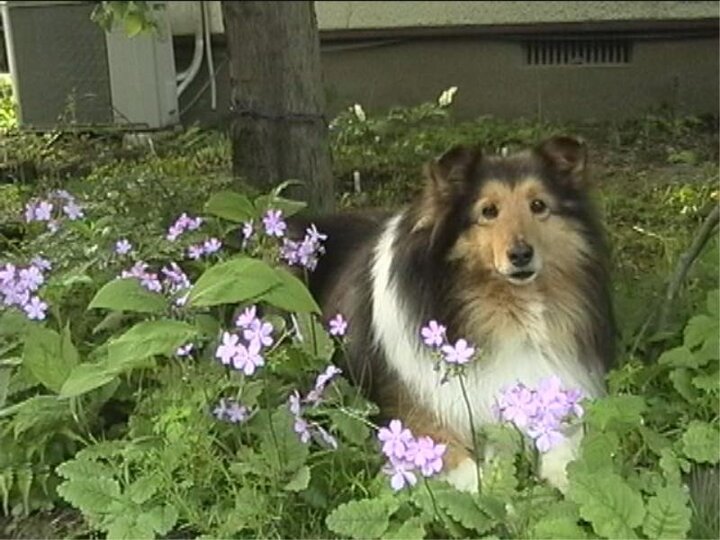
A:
(335, 15)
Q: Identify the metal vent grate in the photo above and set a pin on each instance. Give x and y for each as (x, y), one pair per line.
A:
(578, 52)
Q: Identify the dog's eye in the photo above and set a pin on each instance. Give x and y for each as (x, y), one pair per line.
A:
(538, 207)
(490, 211)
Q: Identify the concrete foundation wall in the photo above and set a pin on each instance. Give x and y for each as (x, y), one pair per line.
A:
(494, 79)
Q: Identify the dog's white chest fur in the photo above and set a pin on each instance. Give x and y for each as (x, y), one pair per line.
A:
(526, 356)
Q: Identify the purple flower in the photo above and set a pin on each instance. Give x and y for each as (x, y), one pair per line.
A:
(196, 251)
(314, 236)
(73, 211)
(182, 224)
(395, 439)
(35, 309)
(433, 334)
(194, 224)
(185, 350)
(229, 348)
(31, 278)
(247, 317)
(338, 325)
(220, 409)
(30, 212)
(211, 246)
(322, 380)
(460, 353)
(326, 438)
(7, 274)
(426, 455)
(41, 263)
(43, 211)
(274, 223)
(123, 247)
(294, 403)
(401, 474)
(259, 331)
(300, 427)
(247, 358)
(289, 252)
(518, 405)
(236, 413)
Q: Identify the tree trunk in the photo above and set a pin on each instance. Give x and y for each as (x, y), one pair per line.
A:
(278, 130)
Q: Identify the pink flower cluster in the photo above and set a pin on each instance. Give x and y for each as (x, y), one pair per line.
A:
(407, 455)
(306, 429)
(434, 336)
(183, 224)
(59, 204)
(19, 286)
(242, 348)
(541, 412)
(174, 281)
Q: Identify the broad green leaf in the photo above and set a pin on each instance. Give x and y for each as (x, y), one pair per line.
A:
(290, 294)
(230, 205)
(13, 322)
(557, 528)
(499, 476)
(160, 519)
(670, 464)
(698, 329)
(668, 514)
(681, 380)
(462, 508)
(598, 448)
(279, 444)
(300, 480)
(709, 382)
(410, 529)
(128, 295)
(612, 507)
(128, 526)
(351, 428)
(678, 357)
(80, 469)
(312, 337)
(87, 377)
(289, 207)
(616, 412)
(90, 495)
(142, 489)
(49, 356)
(150, 338)
(366, 518)
(708, 352)
(700, 442)
(713, 303)
(233, 281)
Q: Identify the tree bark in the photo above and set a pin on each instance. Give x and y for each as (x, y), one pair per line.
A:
(278, 129)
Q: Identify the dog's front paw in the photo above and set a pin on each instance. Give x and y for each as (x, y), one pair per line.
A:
(464, 477)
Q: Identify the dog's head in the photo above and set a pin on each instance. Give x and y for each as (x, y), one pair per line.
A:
(513, 218)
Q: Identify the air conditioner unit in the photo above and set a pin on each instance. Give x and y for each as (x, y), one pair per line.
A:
(68, 72)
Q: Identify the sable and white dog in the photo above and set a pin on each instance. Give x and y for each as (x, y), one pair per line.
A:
(508, 253)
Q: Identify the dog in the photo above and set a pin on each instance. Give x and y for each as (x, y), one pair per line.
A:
(508, 252)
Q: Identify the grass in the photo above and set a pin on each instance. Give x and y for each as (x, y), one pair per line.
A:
(656, 179)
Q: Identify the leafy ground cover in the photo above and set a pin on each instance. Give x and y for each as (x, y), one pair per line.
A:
(141, 396)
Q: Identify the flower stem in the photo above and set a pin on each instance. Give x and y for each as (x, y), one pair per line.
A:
(461, 378)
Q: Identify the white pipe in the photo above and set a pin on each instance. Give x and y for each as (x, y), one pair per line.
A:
(187, 76)
(12, 66)
(209, 55)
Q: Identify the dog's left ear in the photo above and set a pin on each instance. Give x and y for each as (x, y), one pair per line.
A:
(567, 156)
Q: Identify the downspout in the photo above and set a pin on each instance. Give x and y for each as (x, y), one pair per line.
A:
(186, 77)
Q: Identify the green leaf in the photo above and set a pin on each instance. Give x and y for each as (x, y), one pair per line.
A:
(300, 480)
(462, 508)
(128, 295)
(366, 518)
(49, 356)
(670, 465)
(90, 495)
(290, 294)
(288, 207)
(312, 337)
(616, 412)
(231, 206)
(668, 514)
(150, 338)
(279, 444)
(133, 24)
(13, 323)
(410, 529)
(128, 527)
(80, 469)
(557, 528)
(499, 476)
(160, 519)
(678, 357)
(708, 352)
(681, 380)
(598, 448)
(698, 329)
(87, 377)
(713, 303)
(709, 382)
(4, 384)
(352, 429)
(700, 442)
(233, 281)
(612, 507)
(142, 489)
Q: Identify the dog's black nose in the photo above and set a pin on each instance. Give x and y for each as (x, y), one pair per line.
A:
(520, 254)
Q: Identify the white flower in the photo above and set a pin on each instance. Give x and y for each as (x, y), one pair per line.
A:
(446, 98)
(358, 110)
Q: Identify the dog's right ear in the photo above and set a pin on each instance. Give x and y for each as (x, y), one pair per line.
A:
(445, 177)
(452, 168)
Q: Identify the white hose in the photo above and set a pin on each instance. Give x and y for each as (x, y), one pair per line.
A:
(186, 77)
(209, 55)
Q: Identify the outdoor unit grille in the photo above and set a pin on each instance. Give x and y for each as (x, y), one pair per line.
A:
(67, 72)
(578, 52)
